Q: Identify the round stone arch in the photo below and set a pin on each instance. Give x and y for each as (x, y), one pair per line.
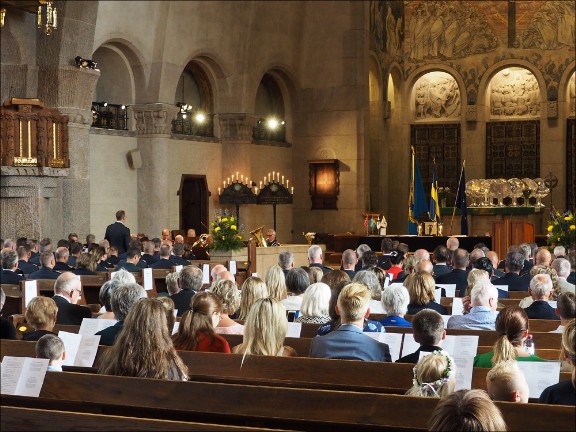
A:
(394, 89)
(567, 90)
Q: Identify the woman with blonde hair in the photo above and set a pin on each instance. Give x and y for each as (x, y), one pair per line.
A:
(265, 329)
(41, 315)
(144, 348)
(474, 276)
(168, 304)
(315, 302)
(253, 289)
(434, 376)
(421, 290)
(564, 393)
(196, 329)
(315, 274)
(85, 265)
(335, 277)
(227, 292)
(512, 330)
(276, 282)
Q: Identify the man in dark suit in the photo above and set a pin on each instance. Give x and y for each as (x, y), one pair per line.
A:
(514, 262)
(9, 266)
(132, 260)
(441, 257)
(315, 258)
(118, 234)
(458, 275)
(349, 260)
(148, 256)
(177, 252)
(47, 270)
(189, 283)
(67, 291)
(540, 289)
(62, 256)
(428, 329)
(348, 342)
(75, 252)
(24, 255)
(386, 247)
(164, 261)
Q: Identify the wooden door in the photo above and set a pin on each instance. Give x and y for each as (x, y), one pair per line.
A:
(194, 203)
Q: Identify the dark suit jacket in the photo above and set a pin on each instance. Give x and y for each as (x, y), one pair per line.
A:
(10, 277)
(118, 235)
(35, 258)
(72, 260)
(456, 276)
(176, 260)
(150, 259)
(541, 309)
(70, 314)
(60, 266)
(27, 267)
(108, 335)
(44, 273)
(440, 270)
(162, 263)
(81, 271)
(321, 267)
(129, 267)
(7, 329)
(415, 356)
(414, 308)
(350, 273)
(384, 262)
(514, 282)
(182, 300)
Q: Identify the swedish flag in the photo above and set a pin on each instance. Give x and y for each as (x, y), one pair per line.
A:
(417, 202)
(434, 212)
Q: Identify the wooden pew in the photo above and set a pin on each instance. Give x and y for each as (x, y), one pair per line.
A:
(91, 285)
(242, 405)
(30, 419)
(13, 303)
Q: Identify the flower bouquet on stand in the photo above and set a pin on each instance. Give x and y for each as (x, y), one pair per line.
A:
(226, 234)
(561, 229)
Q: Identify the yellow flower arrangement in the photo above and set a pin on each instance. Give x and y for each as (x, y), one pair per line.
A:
(225, 232)
(560, 232)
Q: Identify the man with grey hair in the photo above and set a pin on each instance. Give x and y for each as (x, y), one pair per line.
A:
(67, 290)
(122, 299)
(286, 261)
(216, 270)
(422, 254)
(62, 255)
(540, 290)
(425, 265)
(360, 253)
(9, 244)
(493, 257)
(189, 282)
(559, 252)
(482, 316)
(46, 271)
(476, 254)
(526, 250)
(452, 243)
(514, 264)
(315, 258)
(370, 279)
(349, 261)
(562, 267)
(9, 266)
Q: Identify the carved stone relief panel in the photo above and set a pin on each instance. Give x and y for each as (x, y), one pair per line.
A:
(514, 92)
(552, 26)
(571, 96)
(437, 95)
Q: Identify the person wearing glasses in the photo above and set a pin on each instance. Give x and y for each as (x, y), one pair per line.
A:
(271, 238)
(67, 291)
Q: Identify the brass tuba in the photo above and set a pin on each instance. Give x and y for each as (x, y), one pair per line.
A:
(258, 237)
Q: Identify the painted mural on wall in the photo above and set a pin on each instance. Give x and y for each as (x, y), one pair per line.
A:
(436, 95)
(446, 29)
(552, 26)
(387, 26)
(514, 92)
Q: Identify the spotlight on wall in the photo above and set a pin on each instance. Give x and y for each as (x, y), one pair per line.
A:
(85, 63)
(200, 118)
(272, 124)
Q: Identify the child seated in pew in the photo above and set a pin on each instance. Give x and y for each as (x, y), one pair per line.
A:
(51, 347)
(428, 329)
(506, 382)
(434, 376)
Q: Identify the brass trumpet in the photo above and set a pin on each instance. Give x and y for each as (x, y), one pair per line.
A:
(202, 241)
(258, 237)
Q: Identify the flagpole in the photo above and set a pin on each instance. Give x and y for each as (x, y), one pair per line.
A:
(456, 200)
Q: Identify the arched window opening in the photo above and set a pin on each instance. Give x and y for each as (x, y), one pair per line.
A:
(271, 125)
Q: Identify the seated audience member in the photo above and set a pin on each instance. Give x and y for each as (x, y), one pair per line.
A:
(422, 254)
(252, 289)
(177, 252)
(513, 266)
(62, 256)
(396, 261)
(493, 257)
(226, 275)
(421, 289)
(348, 341)
(90, 240)
(380, 274)
(562, 267)
(24, 255)
(458, 274)
(169, 309)
(113, 256)
(452, 243)
(124, 276)
(41, 315)
(466, 410)
(482, 316)
(9, 267)
(189, 283)
(7, 329)
(565, 310)
(75, 252)
(148, 255)
(276, 282)
(51, 347)
(441, 258)
(122, 300)
(286, 261)
(371, 281)
(100, 257)
(386, 247)
(571, 256)
(486, 265)
(540, 290)
(359, 253)
(297, 280)
(512, 330)
(315, 302)
(104, 297)
(215, 272)
(424, 265)
(335, 277)
(475, 255)
(196, 330)
(164, 260)
(559, 252)
(541, 269)
(144, 348)
(349, 261)
(315, 274)
(410, 264)
(369, 260)
(34, 250)
(526, 250)
(67, 289)
(315, 258)
(264, 330)
(564, 393)
(229, 295)
(434, 376)
(132, 260)
(395, 301)
(46, 271)
(506, 382)
(428, 329)
(85, 265)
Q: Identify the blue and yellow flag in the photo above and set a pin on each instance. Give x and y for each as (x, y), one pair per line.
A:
(417, 201)
(434, 211)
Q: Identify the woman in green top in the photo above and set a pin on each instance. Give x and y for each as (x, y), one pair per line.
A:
(512, 329)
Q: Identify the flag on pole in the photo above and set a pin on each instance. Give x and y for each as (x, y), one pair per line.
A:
(434, 206)
(417, 201)
(461, 203)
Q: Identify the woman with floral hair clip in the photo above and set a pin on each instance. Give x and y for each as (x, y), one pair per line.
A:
(434, 376)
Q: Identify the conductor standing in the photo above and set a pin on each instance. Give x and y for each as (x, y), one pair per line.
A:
(118, 234)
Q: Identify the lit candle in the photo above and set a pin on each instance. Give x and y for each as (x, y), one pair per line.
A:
(292, 190)
(273, 175)
(232, 178)
(256, 191)
(282, 179)
(260, 185)
(228, 180)
(218, 191)
(287, 183)
(268, 177)
(237, 175)
(242, 177)
(223, 184)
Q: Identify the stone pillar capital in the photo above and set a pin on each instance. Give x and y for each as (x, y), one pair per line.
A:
(237, 127)
(154, 118)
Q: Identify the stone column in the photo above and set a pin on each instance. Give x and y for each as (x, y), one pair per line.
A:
(153, 129)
